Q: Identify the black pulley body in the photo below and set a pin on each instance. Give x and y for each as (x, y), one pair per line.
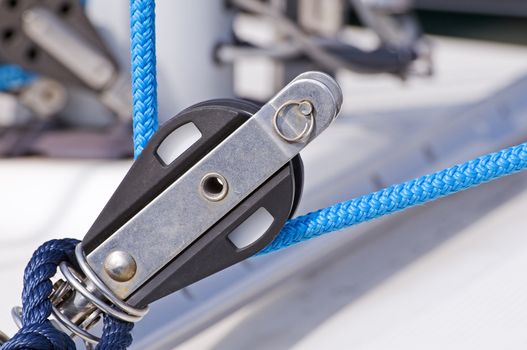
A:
(214, 186)
(215, 249)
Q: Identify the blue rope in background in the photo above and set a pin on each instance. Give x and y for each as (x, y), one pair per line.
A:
(13, 77)
(144, 83)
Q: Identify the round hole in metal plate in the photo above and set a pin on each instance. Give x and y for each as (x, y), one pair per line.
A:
(214, 187)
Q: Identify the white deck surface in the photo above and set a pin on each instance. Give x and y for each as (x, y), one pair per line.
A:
(448, 275)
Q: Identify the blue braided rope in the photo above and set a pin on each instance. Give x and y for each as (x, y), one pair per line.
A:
(116, 335)
(13, 77)
(402, 196)
(144, 84)
(37, 332)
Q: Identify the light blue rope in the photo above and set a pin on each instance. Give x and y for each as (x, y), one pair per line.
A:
(144, 84)
(402, 196)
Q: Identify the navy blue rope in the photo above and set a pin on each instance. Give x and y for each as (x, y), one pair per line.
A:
(37, 332)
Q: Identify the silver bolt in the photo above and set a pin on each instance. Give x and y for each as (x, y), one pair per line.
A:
(120, 266)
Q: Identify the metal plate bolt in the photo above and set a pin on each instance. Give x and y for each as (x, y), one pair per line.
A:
(120, 266)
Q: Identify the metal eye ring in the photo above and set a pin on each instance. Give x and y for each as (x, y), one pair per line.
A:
(308, 128)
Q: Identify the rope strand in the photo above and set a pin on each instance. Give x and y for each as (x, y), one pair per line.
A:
(402, 196)
(144, 83)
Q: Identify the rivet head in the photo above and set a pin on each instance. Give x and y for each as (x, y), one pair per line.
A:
(120, 266)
